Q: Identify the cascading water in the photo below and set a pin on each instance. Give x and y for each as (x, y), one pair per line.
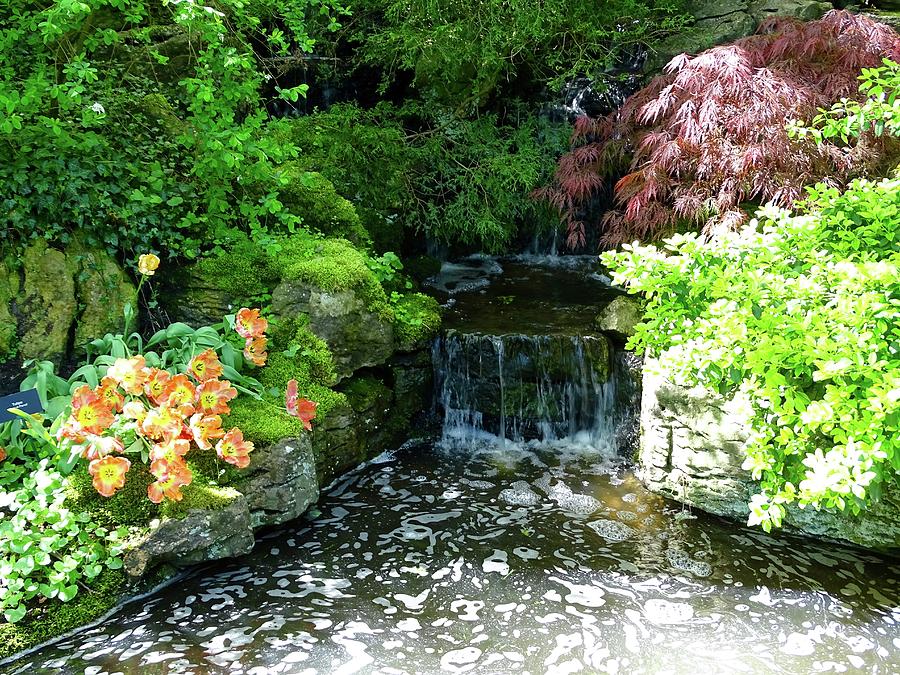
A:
(523, 387)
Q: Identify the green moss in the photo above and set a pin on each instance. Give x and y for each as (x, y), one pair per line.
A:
(417, 318)
(242, 272)
(210, 470)
(334, 265)
(9, 288)
(199, 495)
(55, 618)
(129, 506)
(313, 197)
(364, 392)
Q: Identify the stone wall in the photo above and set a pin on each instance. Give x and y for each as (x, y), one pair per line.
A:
(691, 450)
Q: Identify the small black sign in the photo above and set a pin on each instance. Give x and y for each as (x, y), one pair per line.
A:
(26, 401)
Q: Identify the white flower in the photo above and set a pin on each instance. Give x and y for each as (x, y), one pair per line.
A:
(98, 108)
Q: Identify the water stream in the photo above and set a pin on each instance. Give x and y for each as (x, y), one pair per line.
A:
(519, 542)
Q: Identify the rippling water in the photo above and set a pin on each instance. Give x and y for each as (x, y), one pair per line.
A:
(507, 559)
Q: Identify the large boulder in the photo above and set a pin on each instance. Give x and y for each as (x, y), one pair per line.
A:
(54, 301)
(280, 483)
(691, 450)
(201, 535)
(357, 335)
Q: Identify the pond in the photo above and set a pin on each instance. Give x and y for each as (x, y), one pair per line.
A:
(496, 558)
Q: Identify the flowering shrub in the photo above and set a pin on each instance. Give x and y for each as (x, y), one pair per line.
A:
(800, 313)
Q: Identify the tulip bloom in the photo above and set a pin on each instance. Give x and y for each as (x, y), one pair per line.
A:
(213, 397)
(204, 427)
(155, 384)
(168, 485)
(98, 447)
(301, 408)
(130, 374)
(249, 324)
(179, 394)
(108, 391)
(255, 350)
(109, 474)
(148, 264)
(234, 449)
(205, 366)
(90, 412)
(162, 424)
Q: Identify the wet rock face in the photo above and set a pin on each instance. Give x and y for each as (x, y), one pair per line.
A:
(692, 448)
(202, 535)
(280, 483)
(356, 336)
(620, 317)
(278, 486)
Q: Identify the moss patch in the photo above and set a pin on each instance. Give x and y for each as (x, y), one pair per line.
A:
(199, 495)
(129, 506)
(313, 198)
(417, 318)
(55, 618)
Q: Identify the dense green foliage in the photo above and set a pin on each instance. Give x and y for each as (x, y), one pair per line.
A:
(461, 52)
(140, 123)
(420, 168)
(800, 313)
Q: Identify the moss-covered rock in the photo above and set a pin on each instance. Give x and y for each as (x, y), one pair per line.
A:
(47, 307)
(315, 200)
(417, 320)
(620, 317)
(9, 290)
(102, 291)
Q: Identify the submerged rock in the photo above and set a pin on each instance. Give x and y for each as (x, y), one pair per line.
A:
(692, 448)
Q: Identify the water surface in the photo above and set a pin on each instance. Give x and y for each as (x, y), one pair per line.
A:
(507, 558)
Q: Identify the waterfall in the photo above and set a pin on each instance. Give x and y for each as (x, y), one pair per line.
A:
(523, 387)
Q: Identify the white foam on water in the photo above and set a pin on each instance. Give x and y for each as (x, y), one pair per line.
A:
(661, 611)
(611, 530)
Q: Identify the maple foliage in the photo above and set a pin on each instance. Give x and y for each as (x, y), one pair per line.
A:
(709, 134)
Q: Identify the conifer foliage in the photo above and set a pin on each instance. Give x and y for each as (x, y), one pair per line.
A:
(710, 134)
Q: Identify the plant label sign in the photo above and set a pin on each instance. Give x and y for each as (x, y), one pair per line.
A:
(26, 401)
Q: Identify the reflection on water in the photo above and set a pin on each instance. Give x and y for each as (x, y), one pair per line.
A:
(512, 559)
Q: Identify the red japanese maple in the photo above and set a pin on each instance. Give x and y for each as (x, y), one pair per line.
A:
(709, 135)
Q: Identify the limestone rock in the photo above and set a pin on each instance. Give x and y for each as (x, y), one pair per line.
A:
(620, 317)
(336, 443)
(691, 450)
(202, 535)
(356, 336)
(280, 482)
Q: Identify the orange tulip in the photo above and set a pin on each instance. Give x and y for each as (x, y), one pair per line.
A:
(249, 324)
(301, 408)
(213, 397)
(90, 412)
(168, 485)
(179, 394)
(108, 391)
(155, 384)
(162, 423)
(204, 427)
(205, 366)
(166, 454)
(255, 350)
(234, 449)
(98, 447)
(130, 374)
(109, 474)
